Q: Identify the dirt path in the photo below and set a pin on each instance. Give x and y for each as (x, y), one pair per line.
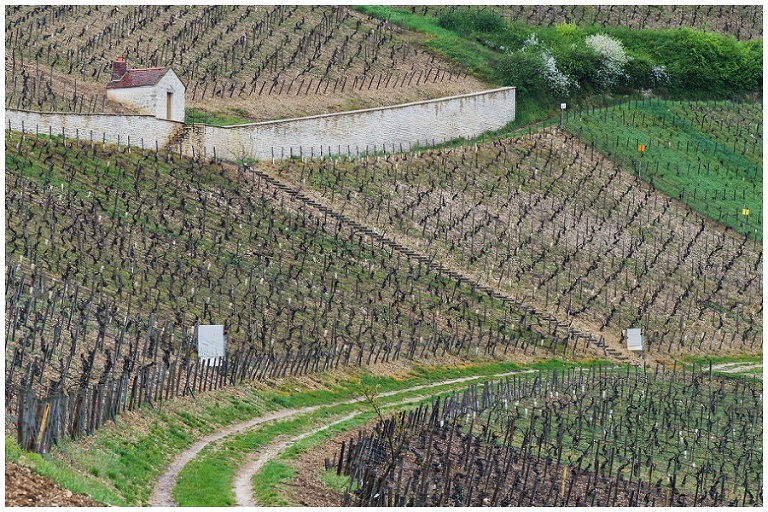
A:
(736, 367)
(241, 483)
(161, 495)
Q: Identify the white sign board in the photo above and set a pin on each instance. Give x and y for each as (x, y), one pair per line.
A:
(634, 339)
(210, 343)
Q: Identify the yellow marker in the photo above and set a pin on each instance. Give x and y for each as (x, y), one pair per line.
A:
(745, 211)
(42, 425)
(641, 147)
(562, 484)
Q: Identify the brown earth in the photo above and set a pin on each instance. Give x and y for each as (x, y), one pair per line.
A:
(306, 489)
(23, 488)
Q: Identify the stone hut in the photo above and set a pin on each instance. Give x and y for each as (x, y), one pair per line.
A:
(153, 91)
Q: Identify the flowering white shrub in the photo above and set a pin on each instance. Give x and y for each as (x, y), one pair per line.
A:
(558, 82)
(660, 75)
(612, 59)
(531, 42)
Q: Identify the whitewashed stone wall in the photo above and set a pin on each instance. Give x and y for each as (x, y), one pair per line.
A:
(372, 129)
(110, 128)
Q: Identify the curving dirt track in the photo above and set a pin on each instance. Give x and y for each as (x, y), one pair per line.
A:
(241, 483)
(161, 495)
(737, 367)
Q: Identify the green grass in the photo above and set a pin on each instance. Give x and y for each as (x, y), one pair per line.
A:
(703, 362)
(722, 359)
(269, 484)
(419, 374)
(267, 488)
(656, 401)
(489, 47)
(130, 459)
(701, 163)
(64, 475)
(337, 483)
(206, 481)
(159, 207)
(467, 53)
(194, 116)
(195, 484)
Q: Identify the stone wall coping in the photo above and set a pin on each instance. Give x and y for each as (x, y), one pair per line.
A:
(280, 121)
(365, 110)
(90, 114)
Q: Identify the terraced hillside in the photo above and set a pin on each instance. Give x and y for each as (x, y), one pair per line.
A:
(114, 256)
(388, 279)
(707, 154)
(547, 219)
(578, 438)
(241, 63)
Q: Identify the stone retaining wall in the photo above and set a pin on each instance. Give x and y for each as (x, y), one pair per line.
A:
(395, 128)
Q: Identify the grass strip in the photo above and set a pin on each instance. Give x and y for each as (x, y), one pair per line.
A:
(65, 476)
(130, 454)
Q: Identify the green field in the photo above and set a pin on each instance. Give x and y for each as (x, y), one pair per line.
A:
(707, 154)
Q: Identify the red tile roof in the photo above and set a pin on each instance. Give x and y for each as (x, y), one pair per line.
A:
(138, 78)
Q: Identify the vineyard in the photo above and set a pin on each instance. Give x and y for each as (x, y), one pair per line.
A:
(520, 258)
(709, 155)
(113, 257)
(579, 437)
(247, 62)
(99, 322)
(550, 221)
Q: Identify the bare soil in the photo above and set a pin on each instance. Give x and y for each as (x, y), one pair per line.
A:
(307, 489)
(161, 495)
(23, 488)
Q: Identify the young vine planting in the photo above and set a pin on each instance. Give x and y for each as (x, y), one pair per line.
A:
(593, 436)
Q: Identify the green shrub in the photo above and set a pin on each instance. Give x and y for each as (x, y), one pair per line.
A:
(612, 59)
(466, 20)
(579, 62)
(523, 70)
(638, 73)
(699, 63)
(680, 63)
(567, 30)
(512, 37)
(750, 70)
